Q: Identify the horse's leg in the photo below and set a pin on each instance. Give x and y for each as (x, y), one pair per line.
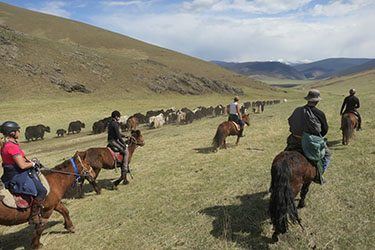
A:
(304, 190)
(68, 224)
(37, 233)
(93, 183)
(238, 139)
(122, 177)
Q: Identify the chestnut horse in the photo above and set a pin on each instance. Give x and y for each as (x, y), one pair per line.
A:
(290, 174)
(225, 129)
(60, 179)
(349, 122)
(100, 158)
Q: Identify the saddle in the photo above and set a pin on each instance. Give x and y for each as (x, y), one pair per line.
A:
(21, 201)
(237, 125)
(115, 153)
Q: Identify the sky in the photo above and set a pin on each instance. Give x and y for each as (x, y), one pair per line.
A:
(232, 30)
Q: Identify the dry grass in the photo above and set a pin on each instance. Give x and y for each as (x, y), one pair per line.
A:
(183, 196)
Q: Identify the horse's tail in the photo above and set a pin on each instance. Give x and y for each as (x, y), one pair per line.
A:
(347, 129)
(282, 199)
(219, 137)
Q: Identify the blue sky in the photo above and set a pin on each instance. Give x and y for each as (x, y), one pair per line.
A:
(233, 30)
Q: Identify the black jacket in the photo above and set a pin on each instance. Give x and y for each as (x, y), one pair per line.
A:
(351, 102)
(114, 132)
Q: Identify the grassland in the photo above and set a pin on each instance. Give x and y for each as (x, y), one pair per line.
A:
(183, 196)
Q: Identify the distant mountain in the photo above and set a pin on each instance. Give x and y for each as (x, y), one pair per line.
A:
(322, 69)
(268, 69)
(356, 69)
(329, 67)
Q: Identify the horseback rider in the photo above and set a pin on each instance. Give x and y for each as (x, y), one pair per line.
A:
(235, 115)
(352, 104)
(18, 174)
(299, 123)
(115, 140)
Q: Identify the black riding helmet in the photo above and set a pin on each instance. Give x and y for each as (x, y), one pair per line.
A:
(8, 127)
(115, 114)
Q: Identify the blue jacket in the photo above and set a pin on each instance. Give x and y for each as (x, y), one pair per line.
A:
(18, 180)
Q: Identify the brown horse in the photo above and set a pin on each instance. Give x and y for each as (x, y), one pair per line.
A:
(290, 174)
(100, 158)
(225, 129)
(60, 179)
(349, 122)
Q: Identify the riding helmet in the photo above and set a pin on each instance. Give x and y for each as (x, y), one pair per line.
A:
(115, 113)
(8, 127)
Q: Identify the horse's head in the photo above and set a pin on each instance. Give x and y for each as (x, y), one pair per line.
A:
(246, 119)
(80, 157)
(137, 138)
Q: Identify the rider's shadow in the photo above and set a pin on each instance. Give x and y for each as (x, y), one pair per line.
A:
(22, 239)
(243, 223)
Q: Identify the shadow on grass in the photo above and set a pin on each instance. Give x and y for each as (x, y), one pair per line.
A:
(74, 191)
(334, 143)
(22, 239)
(243, 223)
(206, 150)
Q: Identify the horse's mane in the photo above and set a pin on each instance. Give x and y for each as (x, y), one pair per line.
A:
(60, 166)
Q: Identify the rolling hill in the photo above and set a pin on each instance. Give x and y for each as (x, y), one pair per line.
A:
(48, 55)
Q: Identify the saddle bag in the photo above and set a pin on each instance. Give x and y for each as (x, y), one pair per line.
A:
(313, 146)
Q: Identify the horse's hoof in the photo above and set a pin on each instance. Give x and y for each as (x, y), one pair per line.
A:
(125, 182)
(70, 229)
(114, 187)
(37, 246)
(275, 237)
(301, 205)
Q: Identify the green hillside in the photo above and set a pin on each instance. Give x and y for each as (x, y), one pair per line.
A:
(46, 55)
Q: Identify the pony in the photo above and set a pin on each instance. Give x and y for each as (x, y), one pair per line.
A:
(291, 173)
(349, 122)
(225, 129)
(99, 158)
(59, 179)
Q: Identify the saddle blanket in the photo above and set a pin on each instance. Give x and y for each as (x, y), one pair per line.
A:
(237, 126)
(21, 200)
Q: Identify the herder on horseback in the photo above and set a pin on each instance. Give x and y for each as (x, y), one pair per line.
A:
(351, 104)
(310, 122)
(19, 176)
(115, 140)
(235, 115)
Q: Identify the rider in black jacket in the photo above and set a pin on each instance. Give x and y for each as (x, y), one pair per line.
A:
(115, 139)
(352, 104)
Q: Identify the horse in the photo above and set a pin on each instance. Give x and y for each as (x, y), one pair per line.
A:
(291, 173)
(99, 158)
(349, 122)
(59, 179)
(225, 129)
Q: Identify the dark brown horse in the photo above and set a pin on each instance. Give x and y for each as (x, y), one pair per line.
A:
(225, 129)
(100, 158)
(60, 179)
(291, 173)
(349, 122)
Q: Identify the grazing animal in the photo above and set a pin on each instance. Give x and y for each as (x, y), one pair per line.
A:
(132, 123)
(99, 158)
(225, 129)
(75, 127)
(349, 122)
(98, 127)
(35, 132)
(59, 179)
(60, 132)
(156, 121)
(291, 173)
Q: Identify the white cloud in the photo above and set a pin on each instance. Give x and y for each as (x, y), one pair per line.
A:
(121, 3)
(55, 8)
(340, 8)
(256, 6)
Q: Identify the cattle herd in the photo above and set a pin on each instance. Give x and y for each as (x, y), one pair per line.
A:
(153, 118)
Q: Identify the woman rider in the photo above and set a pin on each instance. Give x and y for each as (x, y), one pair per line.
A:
(17, 176)
(235, 114)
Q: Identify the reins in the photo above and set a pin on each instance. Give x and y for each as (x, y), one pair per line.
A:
(69, 173)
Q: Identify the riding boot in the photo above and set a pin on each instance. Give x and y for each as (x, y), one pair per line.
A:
(35, 217)
(359, 124)
(241, 133)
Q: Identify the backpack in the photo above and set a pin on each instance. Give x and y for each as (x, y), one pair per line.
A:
(313, 145)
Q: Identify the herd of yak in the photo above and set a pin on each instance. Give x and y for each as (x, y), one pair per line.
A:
(154, 119)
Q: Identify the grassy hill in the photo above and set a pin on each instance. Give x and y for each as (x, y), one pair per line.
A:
(48, 55)
(185, 197)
